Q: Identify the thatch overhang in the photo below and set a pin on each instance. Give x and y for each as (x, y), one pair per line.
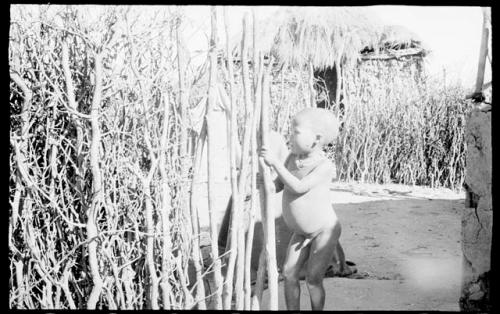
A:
(320, 37)
(396, 42)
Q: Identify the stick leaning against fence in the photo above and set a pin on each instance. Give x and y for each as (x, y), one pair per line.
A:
(212, 92)
(235, 208)
(261, 271)
(266, 192)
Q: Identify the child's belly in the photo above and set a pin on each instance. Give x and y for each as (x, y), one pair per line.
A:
(308, 213)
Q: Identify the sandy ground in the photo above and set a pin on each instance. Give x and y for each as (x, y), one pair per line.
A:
(405, 241)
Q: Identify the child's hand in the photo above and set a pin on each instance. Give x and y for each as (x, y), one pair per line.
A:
(269, 157)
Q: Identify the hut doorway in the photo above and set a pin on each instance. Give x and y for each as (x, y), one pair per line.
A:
(327, 83)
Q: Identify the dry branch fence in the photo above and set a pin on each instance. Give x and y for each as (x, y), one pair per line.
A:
(99, 169)
(104, 157)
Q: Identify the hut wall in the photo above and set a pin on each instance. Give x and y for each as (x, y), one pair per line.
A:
(477, 215)
(371, 75)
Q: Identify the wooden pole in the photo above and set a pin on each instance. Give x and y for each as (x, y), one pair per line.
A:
(268, 214)
(245, 162)
(182, 56)
(483, 53)
(165, 210)
(97, 191)
(196, 256)
(212, 93)
(251, 213)
(261, 270)
(235, 209)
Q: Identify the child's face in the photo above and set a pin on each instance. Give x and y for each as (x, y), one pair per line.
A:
(303, 139)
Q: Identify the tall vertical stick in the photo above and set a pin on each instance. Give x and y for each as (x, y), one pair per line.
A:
(96, 188)
(235, 209)
(197, 258)
(165, 210)
(261, 270)
(245, 162)
(212, 92)
(251, 213)
(483, 53)
(183, 95)
(182, 54)
(23, 143)
(268, 215)
(150, 239)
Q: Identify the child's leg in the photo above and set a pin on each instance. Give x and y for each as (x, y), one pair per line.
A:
(345, 270)
(322, 249)
(296, 256)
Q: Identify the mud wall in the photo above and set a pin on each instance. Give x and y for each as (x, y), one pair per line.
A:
(477, 216)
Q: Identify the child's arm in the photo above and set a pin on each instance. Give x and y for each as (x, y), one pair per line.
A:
(278, 184)
(319, 175)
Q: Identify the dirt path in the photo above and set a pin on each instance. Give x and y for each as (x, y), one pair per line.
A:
(405, 240)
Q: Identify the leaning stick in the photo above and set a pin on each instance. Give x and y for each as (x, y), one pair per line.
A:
(197, 258)
(245, 162)
(182, 55)
(259, 287)
(256, 298)
(212, 92)
(251, 214)
(268, 217)
(235, 209)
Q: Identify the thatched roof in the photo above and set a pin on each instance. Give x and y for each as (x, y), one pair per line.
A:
(299, 35)
(399, 37)
(322, 35)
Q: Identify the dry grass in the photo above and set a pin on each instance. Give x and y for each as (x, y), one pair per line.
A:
(402, 129)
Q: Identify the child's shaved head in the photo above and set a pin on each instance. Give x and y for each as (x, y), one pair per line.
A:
(321, 121)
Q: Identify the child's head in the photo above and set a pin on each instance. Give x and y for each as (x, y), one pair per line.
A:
(312, 128)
